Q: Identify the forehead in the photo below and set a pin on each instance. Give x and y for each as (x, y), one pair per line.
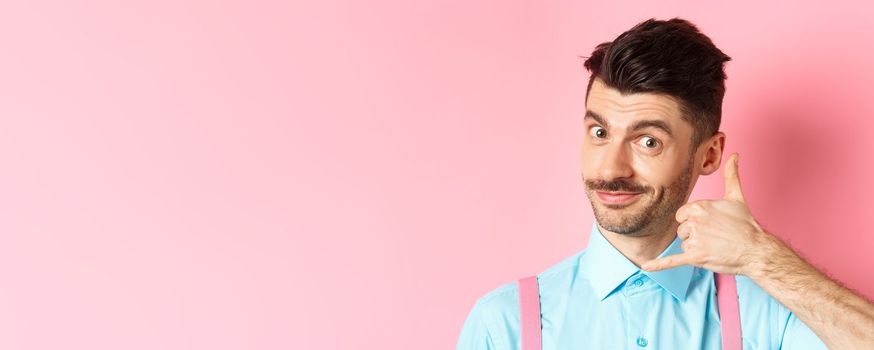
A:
(621, 109)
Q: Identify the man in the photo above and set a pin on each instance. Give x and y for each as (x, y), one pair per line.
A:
(646, 279)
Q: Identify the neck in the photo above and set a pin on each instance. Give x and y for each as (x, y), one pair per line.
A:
(645, 245)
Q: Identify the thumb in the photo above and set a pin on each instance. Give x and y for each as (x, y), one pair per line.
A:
(732, 179)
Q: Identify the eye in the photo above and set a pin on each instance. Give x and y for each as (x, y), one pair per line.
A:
(650, 142)
(598, 132)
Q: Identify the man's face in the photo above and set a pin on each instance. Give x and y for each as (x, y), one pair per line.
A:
(636, 159)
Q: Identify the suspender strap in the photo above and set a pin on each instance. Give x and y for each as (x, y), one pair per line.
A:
(729, 312)
(529, 312)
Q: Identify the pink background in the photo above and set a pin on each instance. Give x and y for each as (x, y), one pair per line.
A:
(327, 175)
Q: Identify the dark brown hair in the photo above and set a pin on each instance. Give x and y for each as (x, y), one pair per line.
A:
(670, 57)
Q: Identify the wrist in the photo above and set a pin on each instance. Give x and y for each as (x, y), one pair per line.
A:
(767, 257)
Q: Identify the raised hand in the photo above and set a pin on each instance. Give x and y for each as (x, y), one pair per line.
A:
(719, 235)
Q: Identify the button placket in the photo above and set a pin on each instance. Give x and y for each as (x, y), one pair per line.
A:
(638, 285)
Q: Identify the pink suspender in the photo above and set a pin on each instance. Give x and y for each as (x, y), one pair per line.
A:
(726, 299)
(729, 312)
(529, 307)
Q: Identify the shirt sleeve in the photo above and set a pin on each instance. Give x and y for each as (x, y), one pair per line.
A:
(798, 336)
(475, 333)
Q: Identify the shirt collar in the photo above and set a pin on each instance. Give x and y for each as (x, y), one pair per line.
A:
(606, 267)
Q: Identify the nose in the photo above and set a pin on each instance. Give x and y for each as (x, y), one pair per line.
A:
(615, 162)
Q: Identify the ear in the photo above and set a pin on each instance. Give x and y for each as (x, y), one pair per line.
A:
(710, 153)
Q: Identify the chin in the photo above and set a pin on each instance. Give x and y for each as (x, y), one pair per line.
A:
(625, 220)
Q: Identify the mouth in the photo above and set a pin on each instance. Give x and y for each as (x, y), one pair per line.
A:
(618, 197)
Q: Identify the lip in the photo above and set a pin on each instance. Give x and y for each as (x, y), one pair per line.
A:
(617, 197)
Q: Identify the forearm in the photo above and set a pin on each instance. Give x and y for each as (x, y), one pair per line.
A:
(839, 317)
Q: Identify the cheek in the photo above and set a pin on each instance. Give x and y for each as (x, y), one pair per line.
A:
(655, 173)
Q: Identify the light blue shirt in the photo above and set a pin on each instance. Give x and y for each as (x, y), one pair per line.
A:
(598, 299)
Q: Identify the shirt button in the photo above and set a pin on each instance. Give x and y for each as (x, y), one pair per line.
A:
(641, 341)
(638, 283)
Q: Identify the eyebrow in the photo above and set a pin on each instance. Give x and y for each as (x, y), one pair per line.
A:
(640, 124)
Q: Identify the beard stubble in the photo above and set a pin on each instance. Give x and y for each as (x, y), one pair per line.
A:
(656, 213)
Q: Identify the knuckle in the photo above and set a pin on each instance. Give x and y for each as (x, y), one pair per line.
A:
(681, 213)
(685, 246)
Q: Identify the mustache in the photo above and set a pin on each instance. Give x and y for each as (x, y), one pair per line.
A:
(615, 186)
